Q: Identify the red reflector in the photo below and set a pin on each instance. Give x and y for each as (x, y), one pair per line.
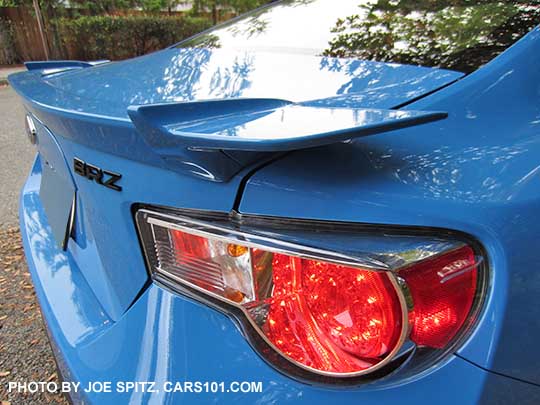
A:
(189, 246)
(443, 292)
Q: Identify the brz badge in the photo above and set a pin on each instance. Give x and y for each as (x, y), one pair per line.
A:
(100, 176)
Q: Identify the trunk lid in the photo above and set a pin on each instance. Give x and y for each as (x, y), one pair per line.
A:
(179, 75)
(85, 111)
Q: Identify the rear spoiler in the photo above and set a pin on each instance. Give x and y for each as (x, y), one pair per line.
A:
(212, 139)
(264, 125)
(62, 64)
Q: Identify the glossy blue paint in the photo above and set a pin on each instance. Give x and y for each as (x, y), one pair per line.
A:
(58, 192)
(104, 226)
(77, 313)
(111, 261)
(176, 75)
(475, 172)
(90, 105)
(60, 65)
(165, 337)
(264, 125)
(179, 75)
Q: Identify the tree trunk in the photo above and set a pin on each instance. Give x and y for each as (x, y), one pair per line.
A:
(214, 13)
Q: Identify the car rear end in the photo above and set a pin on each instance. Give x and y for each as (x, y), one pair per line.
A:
(388, 261)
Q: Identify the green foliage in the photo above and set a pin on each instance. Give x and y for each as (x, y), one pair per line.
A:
(216, 6)
(237, 6)
(28, 3)
(432, 32)
(109, 6)
(154, 5)
(103, 6)
(7, 50)
(158, 5)
(97, 6)
(243, 6)
(108, 37)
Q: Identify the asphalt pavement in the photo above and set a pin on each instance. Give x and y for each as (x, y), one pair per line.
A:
(25, 354)
(17, 155)
(5, 71)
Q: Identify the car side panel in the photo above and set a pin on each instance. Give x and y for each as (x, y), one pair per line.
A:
(476, 172)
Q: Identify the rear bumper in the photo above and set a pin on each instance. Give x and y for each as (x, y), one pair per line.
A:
(164, 338)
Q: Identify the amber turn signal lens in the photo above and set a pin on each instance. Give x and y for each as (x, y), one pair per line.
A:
(236, 250)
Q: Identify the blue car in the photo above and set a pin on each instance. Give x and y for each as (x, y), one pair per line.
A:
(316, 202)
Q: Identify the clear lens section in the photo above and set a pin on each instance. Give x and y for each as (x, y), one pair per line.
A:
(217, 266)
(326, 312)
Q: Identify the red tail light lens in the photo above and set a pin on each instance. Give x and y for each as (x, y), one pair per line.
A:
(325, 316)
(321, 310)
(443, 291)
(331, 317)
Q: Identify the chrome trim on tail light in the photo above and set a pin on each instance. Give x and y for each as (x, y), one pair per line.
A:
(252, 233)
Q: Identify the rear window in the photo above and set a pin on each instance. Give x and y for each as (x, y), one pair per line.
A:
(458, 35)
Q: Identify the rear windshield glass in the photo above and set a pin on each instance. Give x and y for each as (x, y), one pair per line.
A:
(460, 35)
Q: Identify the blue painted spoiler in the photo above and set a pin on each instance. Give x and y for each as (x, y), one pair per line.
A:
(264, 125)
(210, 139)
(61, 64)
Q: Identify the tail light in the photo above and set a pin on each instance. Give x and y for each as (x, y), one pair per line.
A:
(340, 314)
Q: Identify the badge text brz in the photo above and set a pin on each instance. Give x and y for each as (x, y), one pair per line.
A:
(100, 176)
